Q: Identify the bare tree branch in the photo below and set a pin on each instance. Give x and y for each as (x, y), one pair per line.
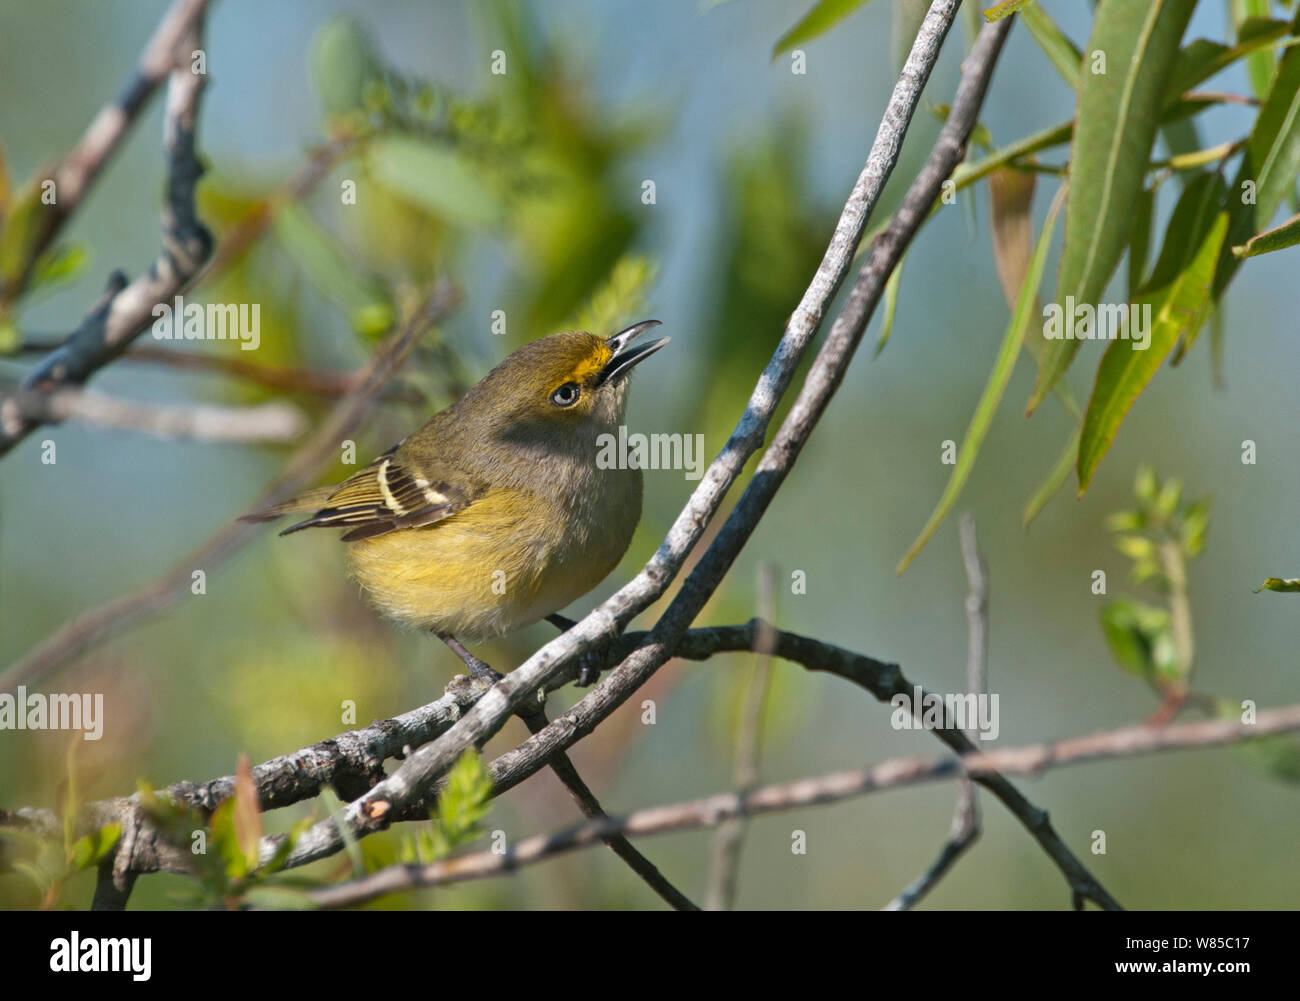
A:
(126, 309)
(353, 762)
(713, 810)
(268, 422)
(618, 843)
(74, 175)
(313, 382)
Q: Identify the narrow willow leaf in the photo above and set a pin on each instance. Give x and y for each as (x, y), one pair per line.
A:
(1279, 584)
(891, 305)
(823, 16)
(1062, 52)
(1269, 167)
(1119, 111)
(1197, 158)
(1004, 9)
(1277, 238)
(1054, 480)
(1261, 64)
(1201, 58)
(1139, 243)
(1003, 366)
(1178, 295)
(1011, 226)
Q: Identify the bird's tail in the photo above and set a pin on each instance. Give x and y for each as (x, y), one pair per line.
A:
(308, 500)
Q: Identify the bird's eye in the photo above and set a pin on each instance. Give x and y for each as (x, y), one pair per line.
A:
(567, 395)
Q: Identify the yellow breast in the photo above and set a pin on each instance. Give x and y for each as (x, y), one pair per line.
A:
(508, 560)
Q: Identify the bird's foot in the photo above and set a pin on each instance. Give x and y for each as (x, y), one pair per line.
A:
(590, 663)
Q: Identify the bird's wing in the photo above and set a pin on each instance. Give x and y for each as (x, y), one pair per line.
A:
(388, 494)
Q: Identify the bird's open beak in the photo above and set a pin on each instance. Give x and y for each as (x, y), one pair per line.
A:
(623, 357)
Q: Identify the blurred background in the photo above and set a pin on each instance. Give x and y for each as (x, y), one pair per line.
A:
(525, 190)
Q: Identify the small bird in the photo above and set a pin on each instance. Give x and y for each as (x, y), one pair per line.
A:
(495, 514)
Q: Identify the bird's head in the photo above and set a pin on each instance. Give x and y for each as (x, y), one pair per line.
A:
(566, 381)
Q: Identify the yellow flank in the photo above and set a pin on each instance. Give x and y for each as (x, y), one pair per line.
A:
(508, 560)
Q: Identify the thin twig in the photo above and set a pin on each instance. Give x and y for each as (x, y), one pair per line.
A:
(126, 309)
(313, 382)
(565, 771)
(730, 836)
(965, 827)
(714, 810)
(75, 174)
(268, 422)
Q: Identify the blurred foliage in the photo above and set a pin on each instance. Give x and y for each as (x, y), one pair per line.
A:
(772, 239)
(1160, 535)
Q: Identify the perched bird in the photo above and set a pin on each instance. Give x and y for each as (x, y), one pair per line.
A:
(495, 514)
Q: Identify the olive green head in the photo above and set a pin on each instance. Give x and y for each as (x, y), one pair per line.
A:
(564, 381)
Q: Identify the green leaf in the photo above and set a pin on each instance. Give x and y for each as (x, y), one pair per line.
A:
(1246, 16)
(224, 843)
(1291, 584)
(434, 178)
(1201, 58)
(1012, 341)
(1055, 479)
(823, 16)
(1062, 52)
(93, 847)
(1140, 241)
(1004, 9)
(1119, 111)
(464, 800)
(342, 62)
(891, 306)
(1178, 295)
(1278, 238)
(350, 845)
(1140, 639)
(59, 265)
(22, 227)
(1270, 165)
